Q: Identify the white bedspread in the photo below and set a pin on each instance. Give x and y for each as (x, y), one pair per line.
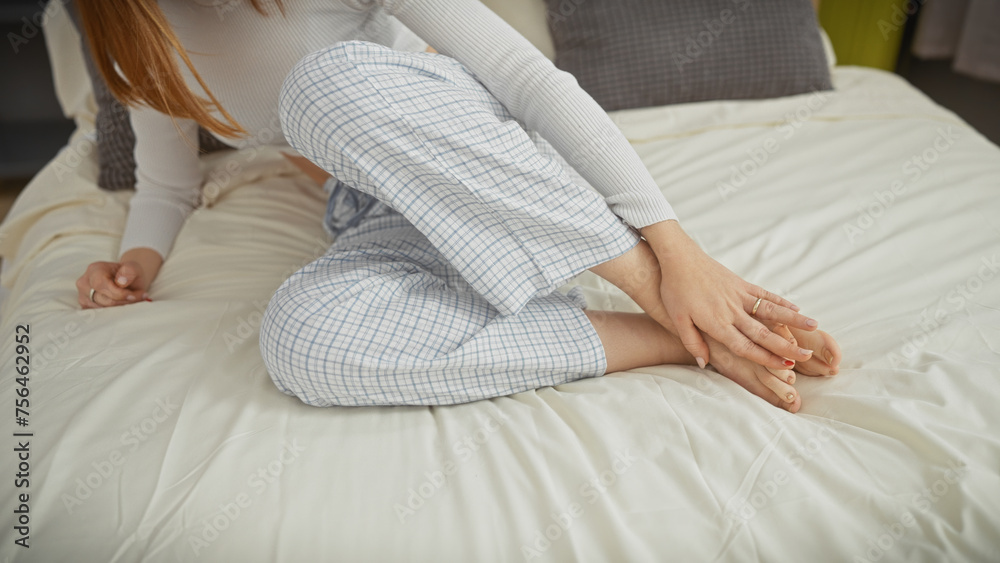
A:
(158, 436)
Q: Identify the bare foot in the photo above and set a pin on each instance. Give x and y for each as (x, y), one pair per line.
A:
(772, 385)
(826, 355)
(635, 340)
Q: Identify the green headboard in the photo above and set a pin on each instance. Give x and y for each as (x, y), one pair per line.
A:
(865, 32)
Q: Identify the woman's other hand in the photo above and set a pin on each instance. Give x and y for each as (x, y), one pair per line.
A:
(119, 283)
(699, 294)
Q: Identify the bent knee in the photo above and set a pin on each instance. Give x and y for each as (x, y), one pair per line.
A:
(320, 91)
(335, 350)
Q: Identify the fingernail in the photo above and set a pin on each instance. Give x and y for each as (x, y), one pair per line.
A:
(789, 363)
(701, 362)
(829, 357)
(790, 398)
(805, 352)
(145, 296)
(795, 308)
(130, 297)
(812, 323)
(122, 280)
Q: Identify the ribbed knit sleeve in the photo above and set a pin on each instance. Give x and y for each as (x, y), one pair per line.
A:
(168, 180)
(543, 97)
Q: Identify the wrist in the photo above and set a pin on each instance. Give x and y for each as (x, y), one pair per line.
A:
(664, 237)
(148, 260)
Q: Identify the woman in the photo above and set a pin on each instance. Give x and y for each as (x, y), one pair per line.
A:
(457, 220)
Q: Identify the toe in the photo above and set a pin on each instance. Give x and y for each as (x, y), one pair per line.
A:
(826, 353)
(778, 382)
(772, 387)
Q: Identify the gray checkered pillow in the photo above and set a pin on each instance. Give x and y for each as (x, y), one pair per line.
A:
(641, 53)
(115, 138)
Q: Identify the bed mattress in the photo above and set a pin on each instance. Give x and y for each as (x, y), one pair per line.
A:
(156, 434)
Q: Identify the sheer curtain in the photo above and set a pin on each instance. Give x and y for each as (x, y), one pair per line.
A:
(966, 30)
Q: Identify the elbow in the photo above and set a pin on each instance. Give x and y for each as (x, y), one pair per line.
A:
(537, 83)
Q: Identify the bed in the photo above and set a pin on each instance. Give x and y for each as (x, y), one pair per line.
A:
(157, 435)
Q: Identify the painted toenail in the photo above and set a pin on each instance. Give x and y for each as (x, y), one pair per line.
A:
(789, 363)
(791, 378)
(790, 398)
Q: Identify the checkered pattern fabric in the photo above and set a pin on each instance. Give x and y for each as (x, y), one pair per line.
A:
(420, 133)
(643, 53)
(383, 319)
(442, 291)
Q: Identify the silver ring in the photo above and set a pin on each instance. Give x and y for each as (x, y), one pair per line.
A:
(92, 290)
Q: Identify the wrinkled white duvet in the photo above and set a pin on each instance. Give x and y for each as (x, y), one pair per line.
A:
(158, 436)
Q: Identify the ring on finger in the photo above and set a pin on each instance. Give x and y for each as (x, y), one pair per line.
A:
(92, 300)
(755, 305)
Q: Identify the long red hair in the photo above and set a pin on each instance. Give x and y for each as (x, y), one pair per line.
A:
(136, 35)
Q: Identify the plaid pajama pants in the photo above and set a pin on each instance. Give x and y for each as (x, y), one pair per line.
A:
(454, 227)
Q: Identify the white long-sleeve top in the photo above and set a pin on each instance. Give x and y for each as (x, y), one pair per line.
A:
(243, 57)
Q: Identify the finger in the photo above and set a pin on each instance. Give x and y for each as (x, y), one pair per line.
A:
(777, 382)
(103, 284)
(770, 311)
(743, 347)
(86, 303)
(132, 296)
(126, 275)
(84, 296)
(105, 301)
(760, 292)
(782, 331)
(693, 342)
(766, 338)
(94, 272)
(779, 329)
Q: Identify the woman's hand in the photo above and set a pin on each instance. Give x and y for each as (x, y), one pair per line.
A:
(119, 283)
(699, 294)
